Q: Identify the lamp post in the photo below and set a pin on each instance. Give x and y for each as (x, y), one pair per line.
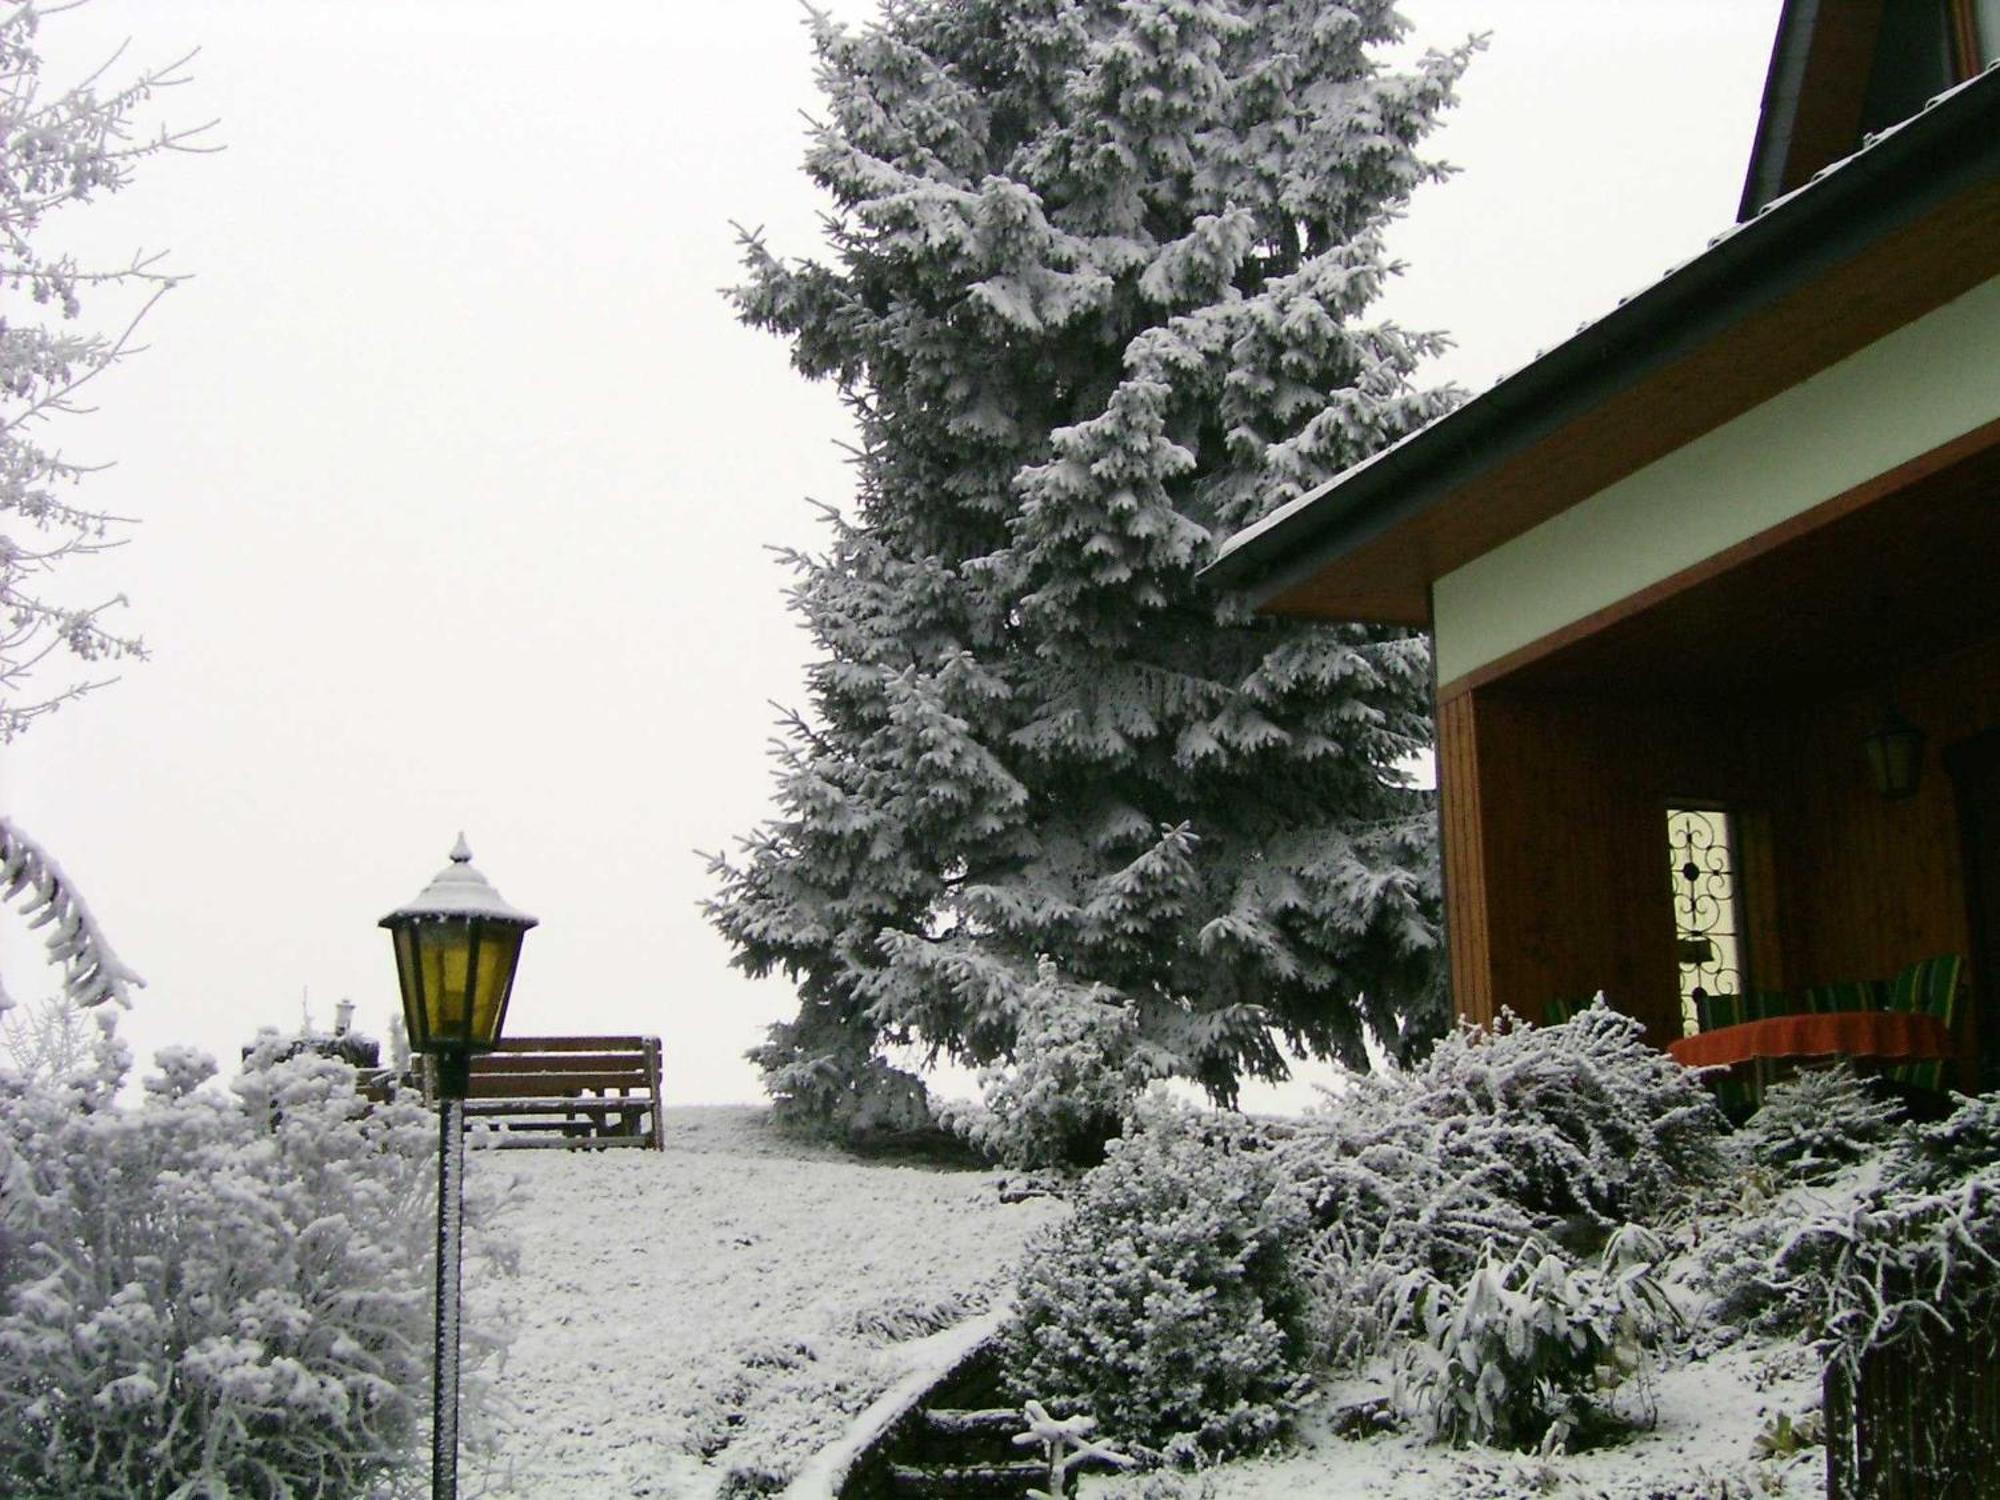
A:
(457, 946)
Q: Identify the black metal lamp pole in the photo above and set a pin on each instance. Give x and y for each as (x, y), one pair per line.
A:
(444, 1354)
(457, 947)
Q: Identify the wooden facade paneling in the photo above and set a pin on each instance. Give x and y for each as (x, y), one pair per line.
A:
(1570, 893)
(1866, 885)
(1557, 875)
(1461, 829)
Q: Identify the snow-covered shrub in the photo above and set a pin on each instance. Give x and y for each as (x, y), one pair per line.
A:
(1813, 1124)
(214, 1295)
(1166, 1303)
(1529, 1350)
(1076, 1068)
(824, 1086)
(1917, 1246)
(1501, 1139)
(1961, 1148)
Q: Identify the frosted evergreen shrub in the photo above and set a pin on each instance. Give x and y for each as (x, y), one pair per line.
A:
(1166, 1304)
(1917, 1247)
(1076, 1068)
(215, 1295)
(1960, 1149)
(824, 1086)
(1530, 1350)
(1813, 1124)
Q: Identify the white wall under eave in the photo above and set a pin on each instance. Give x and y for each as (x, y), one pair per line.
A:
(1894, 400)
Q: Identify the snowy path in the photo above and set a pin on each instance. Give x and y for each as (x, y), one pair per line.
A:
(737, 1295)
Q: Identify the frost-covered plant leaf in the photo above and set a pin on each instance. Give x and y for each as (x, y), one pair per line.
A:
(1530, 1350)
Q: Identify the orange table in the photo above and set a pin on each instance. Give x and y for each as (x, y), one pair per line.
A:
(1889, 1035)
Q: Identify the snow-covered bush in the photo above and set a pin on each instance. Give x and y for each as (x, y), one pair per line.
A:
(216, 1295)
(1502, 1138)
(1918, 1246)
(1813, 1124)
(1076, 1068)
(1166, 1304)
(1960, 1149)
(822, 1085)
(1529, 1351)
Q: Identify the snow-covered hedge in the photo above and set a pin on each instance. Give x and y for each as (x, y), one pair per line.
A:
(1166, 1304)
(215, 1295)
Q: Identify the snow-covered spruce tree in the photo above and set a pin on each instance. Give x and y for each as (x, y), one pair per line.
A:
(1096, 302)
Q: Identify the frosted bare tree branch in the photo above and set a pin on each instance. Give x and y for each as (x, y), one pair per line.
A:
(61, 146)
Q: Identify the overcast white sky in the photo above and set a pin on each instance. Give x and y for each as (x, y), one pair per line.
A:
(457, 474)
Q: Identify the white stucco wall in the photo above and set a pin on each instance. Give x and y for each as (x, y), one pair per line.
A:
(1921, 386)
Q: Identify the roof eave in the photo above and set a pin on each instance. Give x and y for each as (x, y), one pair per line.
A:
(1953, 145)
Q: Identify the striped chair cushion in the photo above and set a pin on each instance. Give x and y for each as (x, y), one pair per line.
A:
(1927, 987)
(1764, 1004)
(1846, 994)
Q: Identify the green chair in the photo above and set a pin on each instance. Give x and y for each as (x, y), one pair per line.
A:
(1713, 1012)
(1555, 1012)
(1930, 987)
(1846, 994)
(1765, 1004)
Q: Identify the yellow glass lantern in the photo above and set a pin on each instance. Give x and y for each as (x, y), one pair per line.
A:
(457, 947)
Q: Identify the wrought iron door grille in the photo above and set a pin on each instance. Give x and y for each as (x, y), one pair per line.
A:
(1708, 925)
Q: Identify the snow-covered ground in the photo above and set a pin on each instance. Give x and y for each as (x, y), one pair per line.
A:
(734, 1302)
(730, 1302)
(1702, 1448)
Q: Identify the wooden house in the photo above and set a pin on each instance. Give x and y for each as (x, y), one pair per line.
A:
(1689, 570)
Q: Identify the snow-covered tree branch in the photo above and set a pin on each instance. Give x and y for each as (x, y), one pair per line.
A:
(61, 146)
(92, 972)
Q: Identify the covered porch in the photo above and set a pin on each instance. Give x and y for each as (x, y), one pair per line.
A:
(1677, 571)
(1672, 796)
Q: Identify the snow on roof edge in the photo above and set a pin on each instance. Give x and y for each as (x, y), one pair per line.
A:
(1248, 535)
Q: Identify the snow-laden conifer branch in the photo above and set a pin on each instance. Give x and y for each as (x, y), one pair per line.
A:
(92, 971)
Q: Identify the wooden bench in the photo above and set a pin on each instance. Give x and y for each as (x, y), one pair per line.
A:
(568, 1091)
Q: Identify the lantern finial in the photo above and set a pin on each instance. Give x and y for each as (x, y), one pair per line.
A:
(461, 852)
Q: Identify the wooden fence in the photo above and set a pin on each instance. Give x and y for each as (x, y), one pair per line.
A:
(1919, 1420)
